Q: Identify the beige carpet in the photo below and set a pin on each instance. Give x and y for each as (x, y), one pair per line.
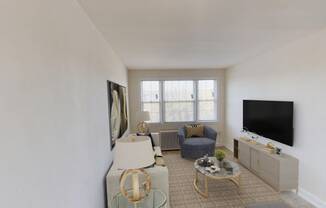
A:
(222, 193)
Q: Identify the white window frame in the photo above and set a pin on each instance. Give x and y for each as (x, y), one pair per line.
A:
(159, 102)
(216, 101)
(196, 112)
(163, 102)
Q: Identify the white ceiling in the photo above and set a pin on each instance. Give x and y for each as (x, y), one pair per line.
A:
(171, 34)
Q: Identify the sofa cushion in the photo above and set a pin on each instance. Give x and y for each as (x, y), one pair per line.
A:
(194, 130)
(198, 141)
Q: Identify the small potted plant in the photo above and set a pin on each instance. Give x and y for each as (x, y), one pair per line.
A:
(220, 155)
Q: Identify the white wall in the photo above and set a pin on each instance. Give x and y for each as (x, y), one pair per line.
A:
(136, 76)
(54, 143)
(296, 73)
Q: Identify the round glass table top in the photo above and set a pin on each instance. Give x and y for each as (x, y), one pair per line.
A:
(228, 169)
(155, 199)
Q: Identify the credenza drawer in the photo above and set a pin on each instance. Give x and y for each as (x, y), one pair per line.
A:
(271, 179)
(269, 165)
(244, 155)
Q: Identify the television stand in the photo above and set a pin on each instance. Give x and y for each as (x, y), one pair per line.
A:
(279, 171)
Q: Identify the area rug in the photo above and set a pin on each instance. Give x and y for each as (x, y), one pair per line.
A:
(222, 193)
(269, 205)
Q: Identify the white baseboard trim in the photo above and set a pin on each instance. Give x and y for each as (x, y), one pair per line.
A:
(314, 200)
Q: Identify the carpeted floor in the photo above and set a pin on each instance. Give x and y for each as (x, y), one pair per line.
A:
(222, 193)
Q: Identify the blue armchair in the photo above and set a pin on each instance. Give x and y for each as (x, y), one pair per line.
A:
(196, 147)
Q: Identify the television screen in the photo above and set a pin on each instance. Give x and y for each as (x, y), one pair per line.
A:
(118, 115)
(270, 119)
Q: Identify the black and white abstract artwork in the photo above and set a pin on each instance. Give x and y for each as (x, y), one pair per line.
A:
(118, 111)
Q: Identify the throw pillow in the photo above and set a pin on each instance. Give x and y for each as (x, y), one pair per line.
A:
(194, 130)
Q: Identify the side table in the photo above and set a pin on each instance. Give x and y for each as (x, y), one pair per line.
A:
(155, 199)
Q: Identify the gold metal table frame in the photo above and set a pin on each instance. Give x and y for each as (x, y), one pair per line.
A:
(233, 178)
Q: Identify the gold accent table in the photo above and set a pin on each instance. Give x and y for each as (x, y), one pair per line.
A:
(223, 174)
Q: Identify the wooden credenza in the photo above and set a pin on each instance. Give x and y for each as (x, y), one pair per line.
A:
(279, 171)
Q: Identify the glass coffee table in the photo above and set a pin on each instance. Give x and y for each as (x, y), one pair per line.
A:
(155, 199)
(223, 174)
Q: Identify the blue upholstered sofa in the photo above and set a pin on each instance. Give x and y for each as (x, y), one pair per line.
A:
(196, 147)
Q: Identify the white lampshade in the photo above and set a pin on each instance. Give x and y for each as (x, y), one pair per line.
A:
(143, 116)
(133, 152)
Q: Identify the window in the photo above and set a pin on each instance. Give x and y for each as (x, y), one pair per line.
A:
(180, 101)
(150, 98)
(207, 102)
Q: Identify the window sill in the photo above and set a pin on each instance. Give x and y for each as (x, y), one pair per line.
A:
(184, 122)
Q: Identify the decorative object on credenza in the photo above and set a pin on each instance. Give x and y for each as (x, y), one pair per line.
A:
(270, 147)
(250, 140)
(205, 161)
(278, 150)
(142, 127)
(220, 155)
(129, 159)
(249, 136)
(118, 114)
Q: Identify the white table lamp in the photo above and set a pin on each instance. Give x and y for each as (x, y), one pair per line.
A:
(142, 126)
(132, 154)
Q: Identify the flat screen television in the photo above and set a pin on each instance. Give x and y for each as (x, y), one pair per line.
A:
(270, 119)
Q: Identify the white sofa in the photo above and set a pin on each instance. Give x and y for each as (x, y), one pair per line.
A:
(159, 175)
